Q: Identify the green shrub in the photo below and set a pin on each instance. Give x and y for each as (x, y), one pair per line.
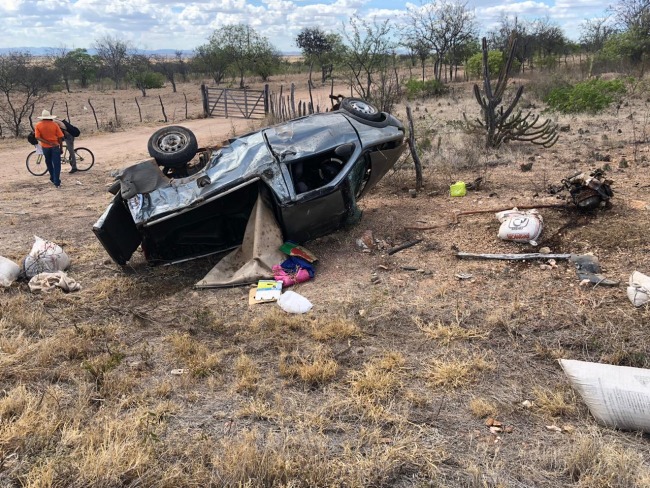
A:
(588, 96)
(495, 63)
(425, 89)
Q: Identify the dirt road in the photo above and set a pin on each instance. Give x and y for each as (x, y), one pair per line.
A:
(119, 149)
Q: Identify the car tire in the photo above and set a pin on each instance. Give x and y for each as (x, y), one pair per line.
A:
(173, 146)
(361, 109)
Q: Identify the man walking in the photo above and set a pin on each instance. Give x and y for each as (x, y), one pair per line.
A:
(50, 135)
(67, 128)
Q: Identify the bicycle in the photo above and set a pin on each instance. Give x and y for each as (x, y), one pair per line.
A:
(36, 162)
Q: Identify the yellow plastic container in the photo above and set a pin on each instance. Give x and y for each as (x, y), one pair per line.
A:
(458, 189)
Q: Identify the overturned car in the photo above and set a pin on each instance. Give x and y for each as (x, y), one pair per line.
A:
(309, 171)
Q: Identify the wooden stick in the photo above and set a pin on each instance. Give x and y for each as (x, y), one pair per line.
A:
(513, 257)
(117, 122)
(401, 247)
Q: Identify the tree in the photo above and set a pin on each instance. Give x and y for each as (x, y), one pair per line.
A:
(633, 15)
(168, 68)
(64, 65)
(595, 32)
(212, 59)
(114, 54)
(314, 44)
(368, 53)
(266, 58)
(242, 43)
(141, 74)
(442, 26)
(75, 65)
(22, 84)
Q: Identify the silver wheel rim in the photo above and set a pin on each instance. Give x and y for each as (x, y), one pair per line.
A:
(172, 143)
(363, 107)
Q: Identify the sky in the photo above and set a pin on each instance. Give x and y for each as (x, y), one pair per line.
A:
(170, 24)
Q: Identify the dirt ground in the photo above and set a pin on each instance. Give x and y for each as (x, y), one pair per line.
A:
(396, 375)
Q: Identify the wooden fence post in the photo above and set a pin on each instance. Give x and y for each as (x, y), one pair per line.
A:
(414, 152)
(204, 97)
(94, 113)
(185, 96)
(266, 98)
(139, 111)
(117, 122)
(163, 107)
(293, 104)
(225, 101)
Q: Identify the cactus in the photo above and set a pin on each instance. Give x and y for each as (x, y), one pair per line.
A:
(498, 121)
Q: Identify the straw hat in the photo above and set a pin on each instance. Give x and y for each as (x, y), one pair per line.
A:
(46, 115)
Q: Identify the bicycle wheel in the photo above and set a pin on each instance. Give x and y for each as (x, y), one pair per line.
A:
(36, 164)
(85, 158)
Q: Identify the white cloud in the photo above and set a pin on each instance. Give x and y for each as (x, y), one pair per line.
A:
(176, 24)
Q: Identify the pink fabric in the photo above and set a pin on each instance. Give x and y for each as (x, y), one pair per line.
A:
(289, 279)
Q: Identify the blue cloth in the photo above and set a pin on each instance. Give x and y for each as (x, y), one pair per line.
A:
(294, 263)
(53, 162)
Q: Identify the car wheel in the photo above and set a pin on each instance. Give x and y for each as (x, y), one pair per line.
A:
(173, 147)
(362, 109)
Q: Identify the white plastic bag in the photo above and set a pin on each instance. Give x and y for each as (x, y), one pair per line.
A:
(9, 271)
(520, 226)
(617, 396)
(639, 290)
(293, 302)
(45, 257)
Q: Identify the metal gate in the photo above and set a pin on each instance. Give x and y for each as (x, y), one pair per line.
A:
(228, 102)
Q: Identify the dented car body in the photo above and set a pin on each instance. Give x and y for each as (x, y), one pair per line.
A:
(310, 171)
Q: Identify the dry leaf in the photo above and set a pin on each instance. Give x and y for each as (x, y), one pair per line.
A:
(568, 428)
(554, 428)
(527, 404)
(495, 430)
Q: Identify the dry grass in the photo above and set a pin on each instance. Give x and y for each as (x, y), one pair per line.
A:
(384, 383)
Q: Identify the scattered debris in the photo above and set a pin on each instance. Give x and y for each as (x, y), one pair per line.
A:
(554, 428)
(45, 257)
(46, 282)
(527, 404)
(617, 396)
(292, 302)
(588, 270)
(268, 290)
(520, 226)
(367, 241)
(638, 290)
(458, 189)
(401, 247)
(9, 271)
(178, 372)
(587, 191)
(475, 185)
(464, 276)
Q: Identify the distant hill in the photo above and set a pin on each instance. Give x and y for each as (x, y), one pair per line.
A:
(44, 51)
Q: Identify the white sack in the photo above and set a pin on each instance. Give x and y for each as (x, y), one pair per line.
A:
(293, 302)
(45, 257)
(9, 271)
(639, 290)
(617, 396)
(520, 226)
